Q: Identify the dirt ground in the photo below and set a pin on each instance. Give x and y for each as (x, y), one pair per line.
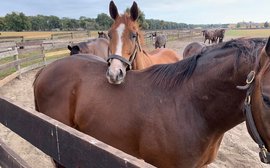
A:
(237, 148)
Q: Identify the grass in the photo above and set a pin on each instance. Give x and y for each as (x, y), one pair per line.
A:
(248, 33)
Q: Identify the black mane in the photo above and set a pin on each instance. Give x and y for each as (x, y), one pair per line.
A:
(170, 75)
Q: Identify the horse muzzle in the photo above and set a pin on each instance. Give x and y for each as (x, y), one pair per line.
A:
(116, 72)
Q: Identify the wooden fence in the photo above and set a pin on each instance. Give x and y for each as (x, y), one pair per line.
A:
(64, 144)
(20, 57)
(172, 35)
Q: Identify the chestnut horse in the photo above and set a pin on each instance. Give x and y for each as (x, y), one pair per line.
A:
(170, 115)
(125, 46)
(193, 48)
(98, 46)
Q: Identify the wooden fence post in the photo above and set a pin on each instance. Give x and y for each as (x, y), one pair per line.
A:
(18, 66)
(72, 35)
(43, 53)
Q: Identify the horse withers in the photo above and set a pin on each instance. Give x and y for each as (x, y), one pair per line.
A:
(175, 116)
(98, 46)
(126, 46)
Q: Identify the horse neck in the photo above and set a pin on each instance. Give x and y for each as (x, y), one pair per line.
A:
(216, 98)
(142, 60)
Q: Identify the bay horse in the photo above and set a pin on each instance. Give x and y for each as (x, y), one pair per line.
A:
(193, 48)
(209, 35)
(126, 46)
(170, 115)
(98, 46)
(219, 35)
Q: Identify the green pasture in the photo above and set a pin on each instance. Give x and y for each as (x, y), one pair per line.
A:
(248, 33)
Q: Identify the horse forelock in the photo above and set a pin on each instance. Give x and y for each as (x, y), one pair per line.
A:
(170, 75)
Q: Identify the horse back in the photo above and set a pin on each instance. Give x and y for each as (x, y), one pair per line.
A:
(164, 55)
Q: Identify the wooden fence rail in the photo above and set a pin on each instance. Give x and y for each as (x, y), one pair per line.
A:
(68, 146)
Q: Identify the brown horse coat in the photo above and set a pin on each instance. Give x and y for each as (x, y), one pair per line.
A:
(170, 115)
(193, 49)
(98, 47)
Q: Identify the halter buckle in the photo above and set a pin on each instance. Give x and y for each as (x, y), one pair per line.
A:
(250, 77)
(264, 155)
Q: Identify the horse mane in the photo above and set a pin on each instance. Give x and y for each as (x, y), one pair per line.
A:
(171, 75)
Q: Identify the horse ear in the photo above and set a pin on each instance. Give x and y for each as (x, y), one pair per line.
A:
(134, 11)
(69, 47)
(113, 10)
(267, 47)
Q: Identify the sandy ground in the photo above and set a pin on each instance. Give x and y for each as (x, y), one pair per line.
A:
(237, 148)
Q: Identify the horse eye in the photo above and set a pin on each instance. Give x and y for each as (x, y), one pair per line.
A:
(266, 100)
(133, 35)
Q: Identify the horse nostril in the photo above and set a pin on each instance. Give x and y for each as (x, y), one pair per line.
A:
(121, 74)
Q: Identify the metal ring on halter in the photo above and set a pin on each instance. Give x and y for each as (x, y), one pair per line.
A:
(250, 77)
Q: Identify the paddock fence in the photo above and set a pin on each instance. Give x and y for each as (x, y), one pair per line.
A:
(64, 144)
(19, 55)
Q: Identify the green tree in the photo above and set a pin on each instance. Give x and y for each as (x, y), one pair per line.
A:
(39, 23)
(17, 22)
(104, 21)
(266, 25)
(2, 24)
(53, 22)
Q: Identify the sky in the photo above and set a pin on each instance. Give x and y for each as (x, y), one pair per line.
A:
(180, 11)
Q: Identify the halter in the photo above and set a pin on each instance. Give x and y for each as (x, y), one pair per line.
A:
(131, 58)
(264, 154)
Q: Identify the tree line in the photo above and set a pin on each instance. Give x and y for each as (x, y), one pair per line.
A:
(18, 21)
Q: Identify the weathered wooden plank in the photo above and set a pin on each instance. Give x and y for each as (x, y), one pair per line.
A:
(8, 78)
(8, 53)
(31, 67)
(14, 63)
(29, 50)
(66, 145)
(9, 159)
(7, 44)
(30, 43)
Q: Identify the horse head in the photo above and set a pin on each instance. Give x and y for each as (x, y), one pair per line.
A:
(74, 49)
(125, 40)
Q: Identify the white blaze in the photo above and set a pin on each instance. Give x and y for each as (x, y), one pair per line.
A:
(120, 29)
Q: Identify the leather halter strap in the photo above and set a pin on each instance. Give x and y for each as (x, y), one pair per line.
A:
(131, 58)
(264, 154)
